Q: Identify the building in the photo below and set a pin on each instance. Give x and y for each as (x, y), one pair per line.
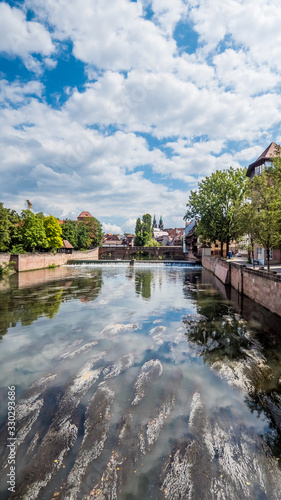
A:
(161, 236)
(256, 168)
(264, 160)
(110, 239)
(190, 241)
(66, 247)
(175, 236)
(128, 240)
(83, 215)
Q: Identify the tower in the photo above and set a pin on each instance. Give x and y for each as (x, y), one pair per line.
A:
(154, 224)
(161, 225)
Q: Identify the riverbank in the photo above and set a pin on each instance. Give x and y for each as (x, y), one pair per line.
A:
(34, 261)
(264, 287)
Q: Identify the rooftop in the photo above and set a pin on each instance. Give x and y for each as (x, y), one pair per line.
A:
(267, 155)
(83, 215)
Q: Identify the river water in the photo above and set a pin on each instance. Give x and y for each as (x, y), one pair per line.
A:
(139, 383)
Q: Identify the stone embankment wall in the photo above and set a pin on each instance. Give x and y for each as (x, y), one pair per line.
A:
(4, 258)
(32, 261)
(261, 286)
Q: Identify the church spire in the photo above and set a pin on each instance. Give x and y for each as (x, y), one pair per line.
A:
(154, 224)
(161, 225)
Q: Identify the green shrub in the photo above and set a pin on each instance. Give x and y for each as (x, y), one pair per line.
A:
(17, 249)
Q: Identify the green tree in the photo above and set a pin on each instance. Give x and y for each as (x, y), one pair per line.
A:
(248, 226)
(138, 226)
(32, 232)
(138, 234)
(216, 202)
(5, 228)
(143, 231)
(147, 229)
(95, 229)
(69, 232)
(266, 197)
(152, 243)
(84, 239)
(53, 232)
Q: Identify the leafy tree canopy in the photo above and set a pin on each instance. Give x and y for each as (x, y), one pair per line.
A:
(53, 232)
(266, 198)
(5, 227)
(69, 232)
(215, 203)
(143, 231)
(83, 233)
(95, 229)
(32, 231)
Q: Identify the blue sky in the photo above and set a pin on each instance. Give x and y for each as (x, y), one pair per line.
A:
(119, 107)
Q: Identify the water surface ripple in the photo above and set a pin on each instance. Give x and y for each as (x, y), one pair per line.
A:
(139, 384)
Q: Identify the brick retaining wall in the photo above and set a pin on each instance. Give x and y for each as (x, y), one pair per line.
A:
(261, 286)
(4, 258)
(32, 261)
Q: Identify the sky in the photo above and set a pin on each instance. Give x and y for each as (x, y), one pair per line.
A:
(120, 107)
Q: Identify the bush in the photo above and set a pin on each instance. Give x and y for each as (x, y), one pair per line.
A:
(18, 249)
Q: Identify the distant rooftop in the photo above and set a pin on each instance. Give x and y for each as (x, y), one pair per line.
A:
(83, 215)
(66, 244)
(267, 155)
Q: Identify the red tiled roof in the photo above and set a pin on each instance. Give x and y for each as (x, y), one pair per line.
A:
(84, 214)
(60, 221)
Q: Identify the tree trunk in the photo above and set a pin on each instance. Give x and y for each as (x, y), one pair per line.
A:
(221, 248)
(227, 246)
(268, 263)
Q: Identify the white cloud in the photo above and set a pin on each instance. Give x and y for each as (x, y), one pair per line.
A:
(236, 70)
(67, 160)
(16, 92)
(170, 107)
(129, 226)
(22, 38)
(249, 154)
(168, 13)
(255, 25)
(111, 228)
(110, 34)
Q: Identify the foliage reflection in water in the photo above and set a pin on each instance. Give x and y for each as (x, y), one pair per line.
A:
(140, 383)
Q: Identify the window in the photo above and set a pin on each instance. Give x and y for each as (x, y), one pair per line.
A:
(259, 251)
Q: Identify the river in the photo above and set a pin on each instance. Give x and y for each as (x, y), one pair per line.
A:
(138, 383)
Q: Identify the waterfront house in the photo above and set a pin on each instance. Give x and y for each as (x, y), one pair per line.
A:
(264, 160)
(256, 168)
(190, 240)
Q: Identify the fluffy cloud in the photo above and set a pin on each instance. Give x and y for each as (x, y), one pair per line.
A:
(23, 38)
(151, 119)
(166, 106)
(111, 228)
(109, 34)
(254, 25)
(129, 226)
(18, 92)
